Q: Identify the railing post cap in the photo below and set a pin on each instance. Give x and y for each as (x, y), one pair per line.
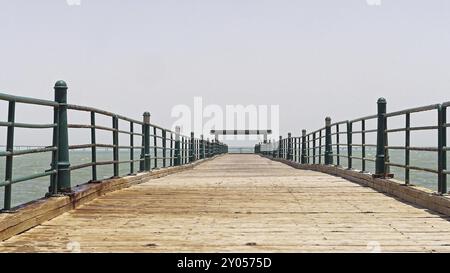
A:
(61, 85)
(146, 117)
(381, 101)
(304, 131)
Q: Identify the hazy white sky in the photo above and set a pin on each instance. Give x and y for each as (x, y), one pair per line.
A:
(312, 58)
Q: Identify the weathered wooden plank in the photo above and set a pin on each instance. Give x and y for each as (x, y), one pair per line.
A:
(241, 203)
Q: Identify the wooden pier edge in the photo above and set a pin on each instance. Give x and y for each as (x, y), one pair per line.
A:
(415, 195)
(39, 211)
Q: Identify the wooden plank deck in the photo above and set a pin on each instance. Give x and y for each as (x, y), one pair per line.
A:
(241, 203)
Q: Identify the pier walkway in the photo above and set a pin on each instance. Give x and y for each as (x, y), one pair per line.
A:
(243, 203)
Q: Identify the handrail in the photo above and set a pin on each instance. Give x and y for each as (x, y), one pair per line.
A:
(325, 145)
(159, 147)
(26, 100)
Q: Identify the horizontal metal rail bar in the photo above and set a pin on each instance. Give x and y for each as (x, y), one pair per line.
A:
(101, 163)
(102, 112)
(339, 123)
(446, 104)
(425, 149)
(26, 100)
(412, 167)
(27, 178)
(363, 118)
(364, 131)
(340, 133)
(84, 126)
(362, 158)
(84, 146)
(360, 145)
(421, 128)
(28, 151)
(27, 125)
(413, 110)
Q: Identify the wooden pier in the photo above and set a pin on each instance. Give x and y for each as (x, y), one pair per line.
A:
(241, 203)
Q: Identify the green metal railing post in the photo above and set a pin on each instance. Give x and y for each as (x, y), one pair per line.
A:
(196, 150)
(212, 148)
(9, 158)
(177, 146)
(183, 150)
(407, 145)
(380, 165)
(155, 146)
(280, 147)
(63, 162)
(164, 146)
(146, 141)
(171, 140)
(93, 148)
(320, 147)
(338, 146)
(328, 143)
(314, 148)
(303, 156)
(131, 148)
(202, 147)
(349, 145)
(308, 148)
(289, 148)
(363, 146)
(192, 148)
(142, 155)
(115, 125)
(442, 153)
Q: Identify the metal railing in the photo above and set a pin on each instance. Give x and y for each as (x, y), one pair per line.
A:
(162, 146)
(327, 146)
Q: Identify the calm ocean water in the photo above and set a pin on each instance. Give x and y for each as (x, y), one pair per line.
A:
(37, 163)
(24, 192)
